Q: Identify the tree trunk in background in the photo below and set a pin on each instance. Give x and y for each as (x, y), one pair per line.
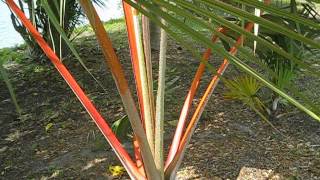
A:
(154, 36)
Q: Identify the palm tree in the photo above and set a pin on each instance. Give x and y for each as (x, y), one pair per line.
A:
(217, 17)
(68, 13)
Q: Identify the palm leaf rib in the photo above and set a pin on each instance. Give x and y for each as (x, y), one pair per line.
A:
(173, 166)
(220, 20)
(236, 61)
(134, 60)
(188, 101)
(280, 13)
(263, 22)
(136, 45)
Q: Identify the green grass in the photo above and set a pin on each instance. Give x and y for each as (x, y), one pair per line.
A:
(115, 25)
(111, 26)
(14, 54)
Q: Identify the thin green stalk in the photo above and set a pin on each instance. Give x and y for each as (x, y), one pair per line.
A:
(148, 61)
(243, 22)
(5, 77)
(160, 102)
(62, 15)
(33, 12)
(51, 37)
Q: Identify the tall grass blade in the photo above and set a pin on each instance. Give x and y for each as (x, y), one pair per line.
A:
(6, 79)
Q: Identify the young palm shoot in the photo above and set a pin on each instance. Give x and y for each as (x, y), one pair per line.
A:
(122, 85)
(138, 61)
(148, 60)
(160, 102)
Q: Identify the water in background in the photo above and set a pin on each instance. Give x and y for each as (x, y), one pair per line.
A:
(9, 37)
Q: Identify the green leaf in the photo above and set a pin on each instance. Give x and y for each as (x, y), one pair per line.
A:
(265, 23)
(248, 35)
(121, 127)
(279, 12)
(48, 127)
(236, 61)
(245, 89)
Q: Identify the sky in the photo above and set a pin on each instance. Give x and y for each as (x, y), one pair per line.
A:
(9, 37)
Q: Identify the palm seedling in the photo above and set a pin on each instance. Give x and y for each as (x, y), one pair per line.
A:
(245, 89)
(147, 123)
(282, 71)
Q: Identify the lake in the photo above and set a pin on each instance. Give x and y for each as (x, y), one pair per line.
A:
(9, 37)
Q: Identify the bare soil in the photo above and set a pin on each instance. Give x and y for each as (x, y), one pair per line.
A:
(229, 137)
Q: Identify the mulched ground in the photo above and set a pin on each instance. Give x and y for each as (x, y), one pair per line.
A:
(229, 136)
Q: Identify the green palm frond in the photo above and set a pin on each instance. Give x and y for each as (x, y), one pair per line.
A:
(177, 25)
(244, 89)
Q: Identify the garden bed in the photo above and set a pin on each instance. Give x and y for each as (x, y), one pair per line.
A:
(55, 137)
